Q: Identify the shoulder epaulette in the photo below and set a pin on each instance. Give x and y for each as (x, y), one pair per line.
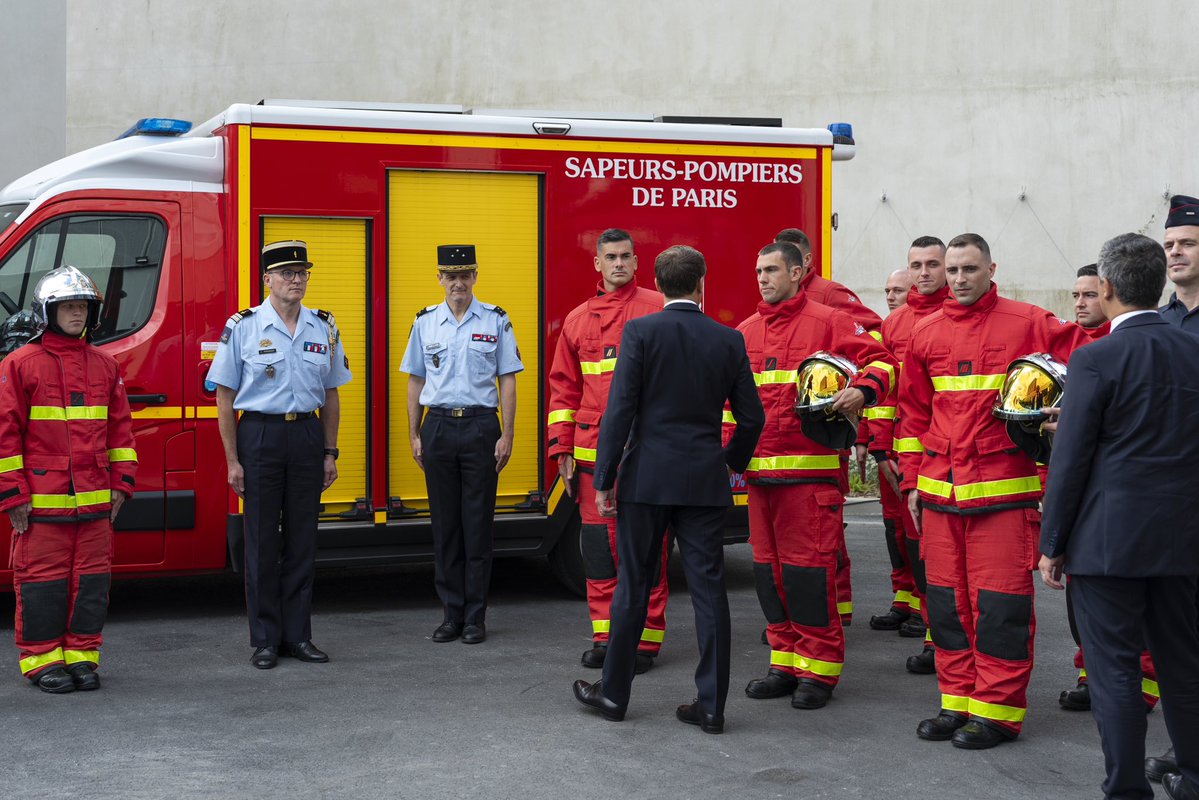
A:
(327, 316)
(499, 311)
(426, 310)
(240, 315)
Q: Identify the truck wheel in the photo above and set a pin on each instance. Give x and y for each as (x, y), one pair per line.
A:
(566, 559)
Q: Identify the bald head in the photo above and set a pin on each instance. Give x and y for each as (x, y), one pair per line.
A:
(898, 284)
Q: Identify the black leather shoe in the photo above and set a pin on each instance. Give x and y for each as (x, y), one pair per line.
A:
(304, 651)
(889, 621)
(979, 735)
(447, 631)
(1076, 699)
(776, 684)
(474, 633)
(265, 657)
(643, 664)
(84, 676)
(1178, 787)
(811, 694)
(594, 658)
(923, 664)
(691, 714)
(55, 681)
(1157, 767)
(592, 695)
(941, 727)
(913, 627)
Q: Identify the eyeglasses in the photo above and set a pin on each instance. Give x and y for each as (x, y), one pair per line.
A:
(290, 275)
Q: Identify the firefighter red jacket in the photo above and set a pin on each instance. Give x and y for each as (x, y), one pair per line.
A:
(952, 449)
(583, 364)
(778, 338)
(66, 436)
(897, 331)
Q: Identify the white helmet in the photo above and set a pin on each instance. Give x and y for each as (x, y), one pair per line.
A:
(60, 285)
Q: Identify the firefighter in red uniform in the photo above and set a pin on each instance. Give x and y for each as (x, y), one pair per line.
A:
(579, 380)
(795, 498)
(66, 465)
(837, 296)
(974, 496)
(926, 264)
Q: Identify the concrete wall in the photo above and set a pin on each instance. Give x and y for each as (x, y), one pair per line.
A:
(1046, 127)
(33, 85)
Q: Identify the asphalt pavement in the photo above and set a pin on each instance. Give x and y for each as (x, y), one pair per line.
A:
(182, 714)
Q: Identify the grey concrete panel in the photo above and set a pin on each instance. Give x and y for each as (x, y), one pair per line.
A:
(33, 85)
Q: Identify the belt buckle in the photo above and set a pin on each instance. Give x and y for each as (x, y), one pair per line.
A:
(457, 412)
(290, 416)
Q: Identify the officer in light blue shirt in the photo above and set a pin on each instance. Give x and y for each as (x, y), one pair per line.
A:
(457, 353)
(278, 364)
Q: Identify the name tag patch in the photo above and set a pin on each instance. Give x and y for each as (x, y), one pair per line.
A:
(316, 347)
(484, 337)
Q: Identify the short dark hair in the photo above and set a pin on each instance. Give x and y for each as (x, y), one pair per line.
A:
(613, 235)
(971, 240)
(679, 269)
(1135, 266)
(792, 255)
(1089, 271)
(927, 241)
(796, 237)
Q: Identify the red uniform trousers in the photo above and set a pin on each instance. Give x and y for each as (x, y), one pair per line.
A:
(980, 603)
(898, 528)
(844, 565)
(598, 538)
(61, 573)
(796, 534)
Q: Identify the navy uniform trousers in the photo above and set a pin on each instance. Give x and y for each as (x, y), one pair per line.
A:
(459, 459)
(284, 472)
(1116, 618)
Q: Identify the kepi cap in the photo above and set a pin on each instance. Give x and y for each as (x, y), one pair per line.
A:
(456, 258)
(1184, 210)
(290, 253)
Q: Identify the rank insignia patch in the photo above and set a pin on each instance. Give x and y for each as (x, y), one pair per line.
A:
(965, 367)
(316, 347)
(484, 337)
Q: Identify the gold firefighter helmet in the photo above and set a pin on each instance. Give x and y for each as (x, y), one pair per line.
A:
(819, 378)
(1033, 383)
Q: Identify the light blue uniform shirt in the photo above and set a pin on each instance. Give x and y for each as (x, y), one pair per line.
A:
(460, 361)
(275, 372)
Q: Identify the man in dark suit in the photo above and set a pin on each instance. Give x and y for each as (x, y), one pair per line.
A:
(675, 370)
(1120, 517)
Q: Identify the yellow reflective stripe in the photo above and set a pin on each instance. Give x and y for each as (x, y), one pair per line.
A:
(878, 337)
(830, 669)
(903, 596)
(845, 608)
(600, 625)
(879, 412)
(71, 500)
(780, 659)
(12, 463)
(1004, 488)
(794, 462)
(938, 488)
(996, 712)
(909, 444)
(653, 635)
(70, 412)
(1150, 688)
(597, 367)
(885, 367)
(951, 702)
(915, 603)
(122, 454)
(727, 416)
(968, 383)
(584, 454)
(80, 656)
(928, 635)
(1082, 674)
(561, 415)
(32, 663)
(772, 376)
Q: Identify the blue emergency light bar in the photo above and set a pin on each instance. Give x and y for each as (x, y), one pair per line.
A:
(158, 126)
(842, 132)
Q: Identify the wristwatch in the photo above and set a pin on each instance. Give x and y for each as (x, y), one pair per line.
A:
(332, 451)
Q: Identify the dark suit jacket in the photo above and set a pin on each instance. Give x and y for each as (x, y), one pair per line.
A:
(674, 372)
(1122, 499)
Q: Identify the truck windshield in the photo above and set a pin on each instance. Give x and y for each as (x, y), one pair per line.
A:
(10, 212)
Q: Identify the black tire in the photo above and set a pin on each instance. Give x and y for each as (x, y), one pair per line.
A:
(566, 559)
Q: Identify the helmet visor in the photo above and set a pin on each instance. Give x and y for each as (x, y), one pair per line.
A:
(1028, 388)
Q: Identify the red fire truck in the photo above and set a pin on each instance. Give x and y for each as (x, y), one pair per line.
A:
(169, 222)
